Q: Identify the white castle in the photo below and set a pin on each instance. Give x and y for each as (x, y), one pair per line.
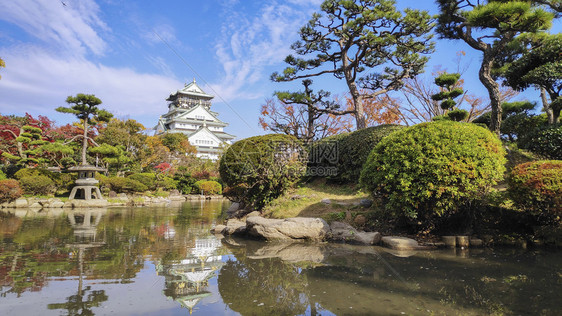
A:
(189, 112)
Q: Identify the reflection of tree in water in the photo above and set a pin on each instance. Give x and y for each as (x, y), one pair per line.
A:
(263, 287)
(82, 302)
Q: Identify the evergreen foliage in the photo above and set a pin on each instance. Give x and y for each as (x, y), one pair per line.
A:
(258, 169)
(431, 169)
(37, 185)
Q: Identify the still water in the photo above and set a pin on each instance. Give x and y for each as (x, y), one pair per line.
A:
(163, 261)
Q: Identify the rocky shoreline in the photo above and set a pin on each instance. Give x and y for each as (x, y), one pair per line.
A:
(253, 225)
(121, 199)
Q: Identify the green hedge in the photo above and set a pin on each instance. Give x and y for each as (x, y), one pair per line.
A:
(356, 147)
(340, 158)
(123, 185)
(546, 142)
(62, 182)
(258, 169)
(537, 186)
(430, 169)
(148, 179)
(211, 187)
(37, 185)
(9, 190)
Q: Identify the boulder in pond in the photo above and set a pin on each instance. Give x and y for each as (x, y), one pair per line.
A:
(399, 243)
(286, 229)
(234, 227)
(340, 231)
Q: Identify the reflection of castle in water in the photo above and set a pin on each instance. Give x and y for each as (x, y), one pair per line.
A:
(187, 280)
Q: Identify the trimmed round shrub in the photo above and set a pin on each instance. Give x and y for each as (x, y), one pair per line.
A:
(430, 169)
(537, 186)
(211, 187)
(355, 149)
(184, 182)
(546, 142)
(124, 185)
(196, 187)
(166, 183)
(258, 169)
(148, 179)
(31, 172)
(323, 157)
(37, 185)
(9, 190)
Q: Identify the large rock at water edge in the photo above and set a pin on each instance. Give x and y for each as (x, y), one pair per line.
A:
(340, 231)
(234, 227)
(286, 229)
(400, 243)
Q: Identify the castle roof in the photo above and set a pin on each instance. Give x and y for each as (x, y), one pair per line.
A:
(191, 89)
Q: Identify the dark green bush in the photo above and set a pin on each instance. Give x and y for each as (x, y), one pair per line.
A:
(166, 183)
(323, 157)
(148, 179)
(546, 142)
(37, 185)
(258, 169)
(430, 169)
(123, 185)
(211, 187)
(196, 188)
(537, 186)
(184, 181)
(355, 149)
(9, 190)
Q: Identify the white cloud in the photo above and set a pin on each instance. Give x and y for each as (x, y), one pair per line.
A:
(72, 27)
(42, 81)
(248, 45)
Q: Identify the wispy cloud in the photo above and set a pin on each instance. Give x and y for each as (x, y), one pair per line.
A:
(72, 26)
(122, 90)
(248, 45)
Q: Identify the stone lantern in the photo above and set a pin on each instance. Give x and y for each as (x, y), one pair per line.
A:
(85, 188)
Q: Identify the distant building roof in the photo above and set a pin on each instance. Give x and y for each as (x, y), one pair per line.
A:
(191, 89)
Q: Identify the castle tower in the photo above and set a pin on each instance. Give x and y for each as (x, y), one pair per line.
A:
(189, 112)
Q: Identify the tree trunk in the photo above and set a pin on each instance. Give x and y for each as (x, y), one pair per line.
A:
(546, 107)
(493, 90)
(358, 106)
(310, 124)
(85, 143)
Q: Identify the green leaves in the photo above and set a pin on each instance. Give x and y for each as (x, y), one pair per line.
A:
(431, 169)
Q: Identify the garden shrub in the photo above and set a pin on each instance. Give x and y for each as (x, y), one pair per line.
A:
(124, 185)
(196, 187)
(184, 181)
(323, 157)
(2, 175)
(258, 169)
(211, 187)
(37, 185)
(148, 179)
(9, 190)
(537, 186)
(31, 172)
(355, 148)
(430, 169)
(166, 183)
(546, 141)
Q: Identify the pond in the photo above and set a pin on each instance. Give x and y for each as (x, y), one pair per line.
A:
(164, 261)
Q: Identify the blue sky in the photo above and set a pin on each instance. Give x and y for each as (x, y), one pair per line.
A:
(117, 50)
